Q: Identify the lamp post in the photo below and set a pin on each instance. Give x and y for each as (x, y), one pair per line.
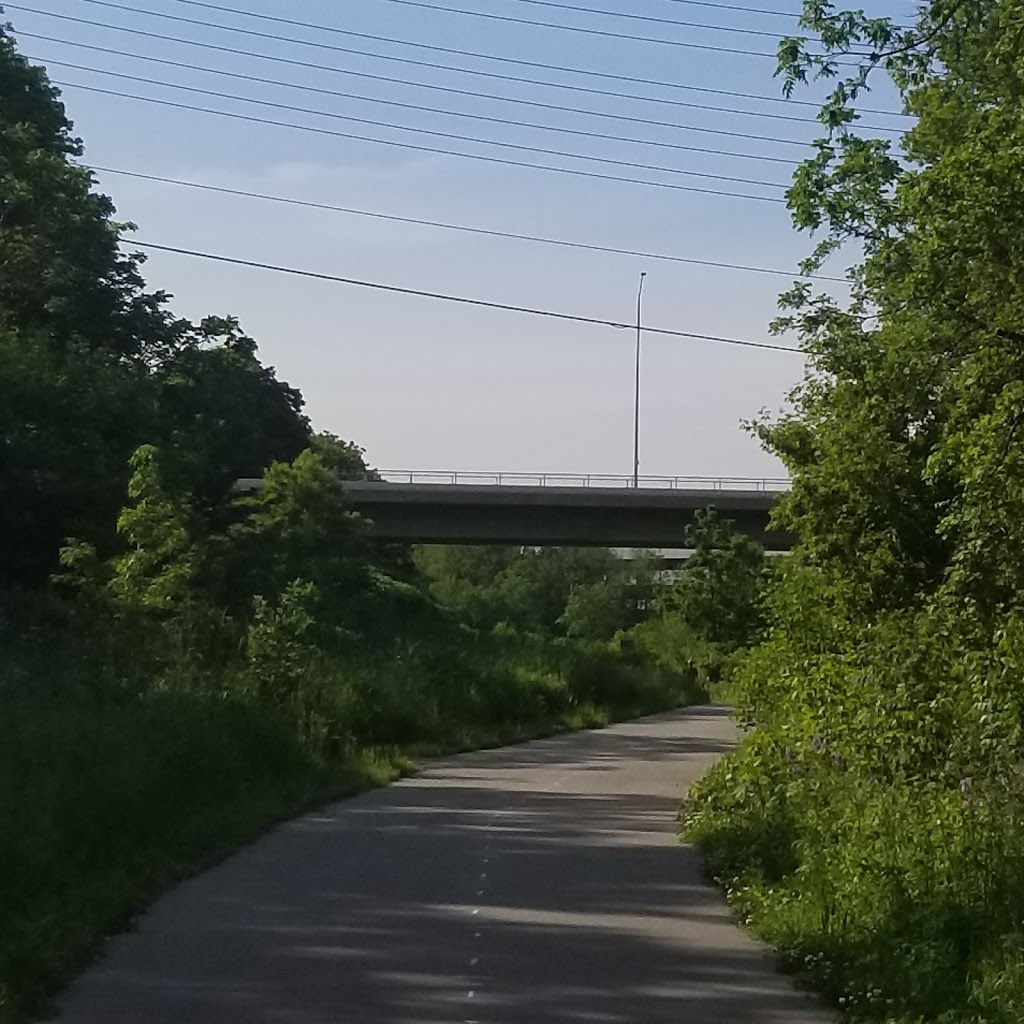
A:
(636, 395)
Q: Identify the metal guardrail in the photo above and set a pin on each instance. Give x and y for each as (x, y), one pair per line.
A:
(407, 476)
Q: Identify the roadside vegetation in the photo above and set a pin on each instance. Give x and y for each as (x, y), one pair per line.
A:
(872, 825)
(181, 664)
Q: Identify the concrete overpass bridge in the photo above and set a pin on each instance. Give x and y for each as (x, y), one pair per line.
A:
(559, 509)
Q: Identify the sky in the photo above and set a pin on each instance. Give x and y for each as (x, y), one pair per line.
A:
(427, 385)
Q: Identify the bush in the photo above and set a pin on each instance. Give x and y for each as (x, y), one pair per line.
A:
(106, 800)
(900, 900)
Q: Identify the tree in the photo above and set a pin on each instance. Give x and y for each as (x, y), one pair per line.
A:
(343, 458)
(94, 366)
(585, 592)
(905, 445)
(718, 592)
(297, 527)
(63, 274)
(70, 416)
(223, 415)
(876, 810)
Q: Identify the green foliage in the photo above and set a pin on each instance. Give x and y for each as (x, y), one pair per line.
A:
(63, 274)
(586, 593)
(277, 642)
(105, 801)
(718, 592)
(872, 825)
(94, 366)
(222, 414)
(209, 658)
(900, 900)
(343, 458)
(157, 571)
(298, 526)
(63, 406)
(259, 632)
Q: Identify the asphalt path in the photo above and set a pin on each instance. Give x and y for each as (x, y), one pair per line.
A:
(539, 883)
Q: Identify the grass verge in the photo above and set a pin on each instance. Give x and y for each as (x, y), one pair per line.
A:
(902, 903)
(108, 796)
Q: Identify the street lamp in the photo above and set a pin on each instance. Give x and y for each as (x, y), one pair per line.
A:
(636, 397)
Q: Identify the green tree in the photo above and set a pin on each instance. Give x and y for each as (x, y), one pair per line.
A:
(343, 458)
(874, 818)
(65, 414)
(586, 592)
(905, 444)
(223, 415)
(718, 592)
(622, 598)
(95, 366)
(63, 272)
(298, 526)
(158, 570)
(465, 579)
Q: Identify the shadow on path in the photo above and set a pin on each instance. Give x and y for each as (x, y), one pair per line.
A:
(541, 883)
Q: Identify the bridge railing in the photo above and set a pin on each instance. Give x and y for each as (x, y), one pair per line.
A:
(407, 476)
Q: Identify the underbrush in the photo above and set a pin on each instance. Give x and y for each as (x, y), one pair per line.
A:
(121, 775)
(902, 900)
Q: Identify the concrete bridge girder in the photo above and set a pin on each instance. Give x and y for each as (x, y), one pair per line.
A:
(583, 516)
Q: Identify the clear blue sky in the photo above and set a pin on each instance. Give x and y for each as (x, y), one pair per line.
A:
(422, 384)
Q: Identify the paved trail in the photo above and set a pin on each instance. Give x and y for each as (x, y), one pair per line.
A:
(538, 884)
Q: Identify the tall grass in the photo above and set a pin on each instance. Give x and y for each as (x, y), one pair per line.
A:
(121, 774)
(904, 901)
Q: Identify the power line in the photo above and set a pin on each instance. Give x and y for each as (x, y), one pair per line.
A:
(608, 34)
(217, 7)
(792, 16)
(488, 232)
(476, 94)
(742, 10)
(406, 106)
(652, 20)
(391, 80)
(508, 19)
(660, 83)
(334, 48)
(412, 146)
(461, 299)
(422, 131)
(418, 148)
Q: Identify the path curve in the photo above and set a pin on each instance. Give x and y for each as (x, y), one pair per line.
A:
(539, 883)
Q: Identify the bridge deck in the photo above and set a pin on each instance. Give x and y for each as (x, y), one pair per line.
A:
(599, 516)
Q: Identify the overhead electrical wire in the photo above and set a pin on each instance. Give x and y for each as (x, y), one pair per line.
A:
(604, 33)
(440, 151)
(649, 19)
(792, 16)
(508, 19)
(464, 228)
(319, 27)
(715, 5)
(223, 8)
(473, 93)
(608, 33)
(476, 94)
(435, 66)
(411, 106)
(453, 136)
(460, 299)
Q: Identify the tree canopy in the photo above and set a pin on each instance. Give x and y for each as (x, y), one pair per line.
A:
(94, 365)
(905, 443)
(872, 824)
